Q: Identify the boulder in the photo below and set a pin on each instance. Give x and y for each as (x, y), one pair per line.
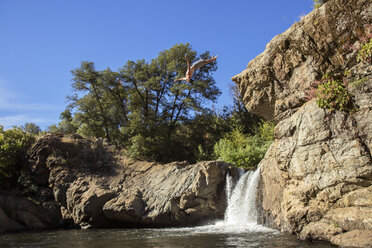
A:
(356, 238)
(96, 186)
(126, 208)
(18, 213)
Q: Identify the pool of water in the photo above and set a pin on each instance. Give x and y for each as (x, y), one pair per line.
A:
(238, 229)
(216, 235)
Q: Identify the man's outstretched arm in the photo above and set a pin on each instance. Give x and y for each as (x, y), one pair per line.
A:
(207, 61)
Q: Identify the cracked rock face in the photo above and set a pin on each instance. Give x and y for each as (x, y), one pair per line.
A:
(95, 186)
(18, 213)
(316, 178)
(317, 175)
(273, 83)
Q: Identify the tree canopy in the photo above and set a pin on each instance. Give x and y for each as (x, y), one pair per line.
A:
(142, 109)
(140, 106)
(32, 128)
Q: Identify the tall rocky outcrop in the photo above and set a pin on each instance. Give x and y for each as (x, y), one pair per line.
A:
(93, 185)
(316, 178)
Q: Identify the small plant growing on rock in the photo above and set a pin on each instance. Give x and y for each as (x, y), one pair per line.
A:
(356, 83)
(365, 53)
(348, 73)
(333, 95)
(364, 46)
(317, 3)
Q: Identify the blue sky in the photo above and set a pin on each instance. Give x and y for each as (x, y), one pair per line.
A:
(41, 41)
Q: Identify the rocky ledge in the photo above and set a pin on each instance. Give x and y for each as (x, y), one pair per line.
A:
(316, 178)
(91, 185)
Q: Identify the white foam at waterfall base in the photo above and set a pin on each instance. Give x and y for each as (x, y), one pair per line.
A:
(241, 213)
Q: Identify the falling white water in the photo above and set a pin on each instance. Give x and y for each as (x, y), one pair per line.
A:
(241, 200)
(240, 214)
(229, 183)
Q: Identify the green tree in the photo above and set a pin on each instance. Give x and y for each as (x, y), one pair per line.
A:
(244, 150)
(141, 106)
(53, 129)
(240, 116)
(69, 124)
(94, 105)
(13, 146)
(209, 128)
(31, 128)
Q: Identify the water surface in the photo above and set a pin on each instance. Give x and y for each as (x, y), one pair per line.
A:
(238, 229)
(206, 236)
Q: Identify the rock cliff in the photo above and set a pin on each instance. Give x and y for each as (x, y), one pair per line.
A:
(95, 186)
(316, 177)
(18, 213)
(273, 84)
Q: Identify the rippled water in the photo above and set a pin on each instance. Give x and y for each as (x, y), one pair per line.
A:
(205, 236)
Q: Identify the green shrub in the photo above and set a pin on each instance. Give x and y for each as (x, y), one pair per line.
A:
(26, 185)
(203, 154)
(365, 52)
(317, 3)
(265, 130)
(333, 95)
(148, 148)
(348, 73)
(138, 148)
(244, 150)
(13, 146)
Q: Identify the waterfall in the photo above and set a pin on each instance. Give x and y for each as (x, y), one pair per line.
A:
(241, 200)
(241, 214)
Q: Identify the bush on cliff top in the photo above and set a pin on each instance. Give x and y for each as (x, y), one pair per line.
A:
(13, 146)
(317, 3)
